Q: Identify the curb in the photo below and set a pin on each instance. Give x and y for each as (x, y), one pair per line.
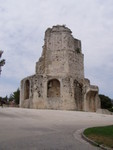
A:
(94, 143)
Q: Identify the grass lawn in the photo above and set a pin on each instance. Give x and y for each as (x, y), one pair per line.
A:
(101, 135)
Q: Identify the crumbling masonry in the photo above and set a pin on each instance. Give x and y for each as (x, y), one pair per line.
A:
(59, 81)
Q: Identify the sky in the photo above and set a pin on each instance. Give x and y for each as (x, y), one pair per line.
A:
(22, 27)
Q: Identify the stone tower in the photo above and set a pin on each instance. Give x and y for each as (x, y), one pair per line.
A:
(59, 81)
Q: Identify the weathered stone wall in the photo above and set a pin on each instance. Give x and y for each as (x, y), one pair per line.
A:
(26, 92)
(59, 80)
(61, 54)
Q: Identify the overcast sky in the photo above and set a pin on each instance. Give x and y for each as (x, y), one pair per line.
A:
(22, 27)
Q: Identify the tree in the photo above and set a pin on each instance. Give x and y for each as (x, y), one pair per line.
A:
(4, 100)
(2, 62)
(15, 96)
(105, 102)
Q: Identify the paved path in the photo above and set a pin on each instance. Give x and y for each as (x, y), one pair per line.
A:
(30, 129)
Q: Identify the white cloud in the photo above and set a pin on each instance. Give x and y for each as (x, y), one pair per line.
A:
(22, 27)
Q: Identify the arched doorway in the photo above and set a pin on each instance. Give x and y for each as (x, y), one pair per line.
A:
(26, 89)
(53, 88)
(78, 96)
(90, 101)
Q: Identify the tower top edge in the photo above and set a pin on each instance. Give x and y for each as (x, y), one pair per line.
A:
(58, 28)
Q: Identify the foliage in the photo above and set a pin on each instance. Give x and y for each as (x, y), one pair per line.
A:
(2, 62)
(105, 102)
(15, 96)
(111, 109)
(4, 98)
(78, 50)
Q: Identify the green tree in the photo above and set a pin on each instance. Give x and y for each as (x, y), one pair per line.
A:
(15, 96)
(2, 62)
(4, 100)
(105, 102)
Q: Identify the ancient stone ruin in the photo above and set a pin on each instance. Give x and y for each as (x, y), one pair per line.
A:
(59, 81)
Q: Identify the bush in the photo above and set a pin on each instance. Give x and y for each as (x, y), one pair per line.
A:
(111, 109)
(105, 102)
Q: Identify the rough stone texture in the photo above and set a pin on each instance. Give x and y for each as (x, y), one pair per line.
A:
(59, 81)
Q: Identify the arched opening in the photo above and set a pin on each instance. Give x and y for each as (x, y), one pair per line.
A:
(53, 88)
(90, 101)
(26, 89)
(78, 95)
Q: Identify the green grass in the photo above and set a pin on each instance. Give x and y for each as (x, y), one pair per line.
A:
(101, 135)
